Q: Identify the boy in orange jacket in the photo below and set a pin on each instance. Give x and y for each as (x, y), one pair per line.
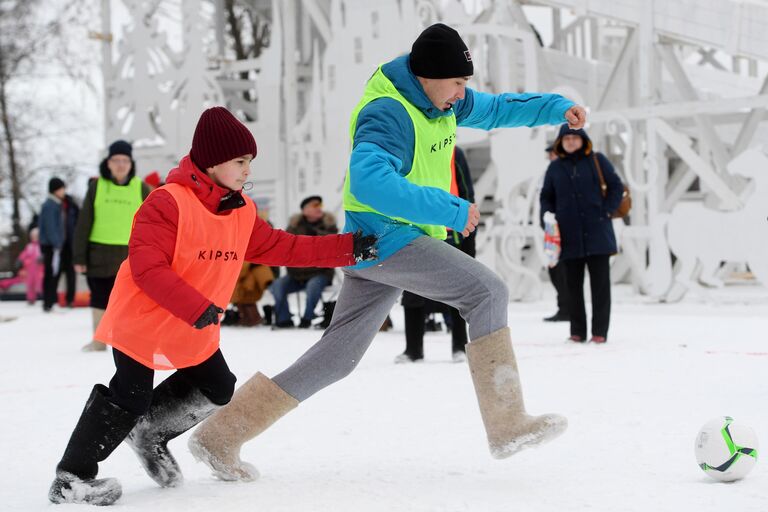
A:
(187, 246)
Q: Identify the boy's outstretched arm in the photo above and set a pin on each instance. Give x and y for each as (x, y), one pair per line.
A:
(275, 247)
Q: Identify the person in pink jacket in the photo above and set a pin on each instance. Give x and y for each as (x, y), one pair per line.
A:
(32, 266)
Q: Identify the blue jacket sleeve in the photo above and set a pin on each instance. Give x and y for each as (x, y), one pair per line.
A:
(376, 181)
(50, 225)
(487, 111)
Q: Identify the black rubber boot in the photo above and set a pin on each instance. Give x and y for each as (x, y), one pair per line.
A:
(176, 407)
(414, 333)
(458, 332)
(102, 426)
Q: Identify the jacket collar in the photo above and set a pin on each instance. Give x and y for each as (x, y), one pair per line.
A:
(399, 73)
(215, 198)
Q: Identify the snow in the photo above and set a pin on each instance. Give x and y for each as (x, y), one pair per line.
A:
(409, 437)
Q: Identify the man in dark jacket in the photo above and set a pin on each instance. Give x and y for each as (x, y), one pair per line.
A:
(557, 273)
(572, 191)
(57, 215)
(312, 221)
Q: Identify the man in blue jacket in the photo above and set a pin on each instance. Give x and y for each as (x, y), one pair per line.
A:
(398, 184)
(53, 236)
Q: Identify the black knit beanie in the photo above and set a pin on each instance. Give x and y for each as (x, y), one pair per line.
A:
(220, 137)
(120, 147)
(55, 184)
(439, 52)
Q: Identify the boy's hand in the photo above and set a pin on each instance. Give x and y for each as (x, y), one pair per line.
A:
(364, 247)
(209, 316)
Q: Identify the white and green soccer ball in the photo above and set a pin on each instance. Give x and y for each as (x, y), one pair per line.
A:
(726, 450)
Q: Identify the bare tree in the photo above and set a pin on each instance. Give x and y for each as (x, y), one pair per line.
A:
(249, 32)
(35, 45)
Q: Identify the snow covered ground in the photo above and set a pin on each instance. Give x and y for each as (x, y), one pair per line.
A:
(409, 437)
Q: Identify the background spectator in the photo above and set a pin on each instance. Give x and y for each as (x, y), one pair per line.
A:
(57, 214)
(572, 191)
(312, 221)
(253, 281)
(557, 273)
(417, 308)
(104, 227)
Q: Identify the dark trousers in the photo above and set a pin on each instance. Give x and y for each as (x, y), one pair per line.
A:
(51, 279)
(557, 276)
(131, 386)
(600, 285)
(414, 330)
(100, 288)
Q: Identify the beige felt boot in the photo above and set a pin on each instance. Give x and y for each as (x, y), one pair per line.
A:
(500, 396)
(256, 405)
(95, 346)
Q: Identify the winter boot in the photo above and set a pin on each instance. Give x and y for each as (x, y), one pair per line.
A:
(176, 407)
(102, 426)
(497, 385)
(95, 346)
(405, 358)
(268, 310)
(458, 337)
(414, 336)
(249, 315)
(257, 404)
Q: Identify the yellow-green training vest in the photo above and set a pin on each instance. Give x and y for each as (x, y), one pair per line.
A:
(113, 209)
(432, 150)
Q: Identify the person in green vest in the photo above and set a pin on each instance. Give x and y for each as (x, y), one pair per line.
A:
(104, 226)
(397, 186)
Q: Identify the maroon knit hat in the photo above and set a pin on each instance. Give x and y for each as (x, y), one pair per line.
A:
(220, 137)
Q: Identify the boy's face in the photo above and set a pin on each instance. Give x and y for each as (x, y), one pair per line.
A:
(444, 92)
(231, 174)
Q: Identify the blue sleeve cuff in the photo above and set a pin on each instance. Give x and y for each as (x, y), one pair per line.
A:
(461, 215)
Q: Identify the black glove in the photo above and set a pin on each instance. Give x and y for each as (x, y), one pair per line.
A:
(209, 316)
(364, 247)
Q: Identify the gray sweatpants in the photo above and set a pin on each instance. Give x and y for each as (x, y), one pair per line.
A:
(427, 267)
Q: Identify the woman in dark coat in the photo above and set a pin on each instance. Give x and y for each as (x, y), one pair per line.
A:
(572, 191)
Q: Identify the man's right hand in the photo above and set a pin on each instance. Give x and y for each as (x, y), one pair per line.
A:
(82, 269)
(472, 220)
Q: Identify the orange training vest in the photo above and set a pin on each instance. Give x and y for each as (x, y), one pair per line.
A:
(210, 250)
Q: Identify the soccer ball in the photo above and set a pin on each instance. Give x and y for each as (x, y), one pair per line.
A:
(726, 450)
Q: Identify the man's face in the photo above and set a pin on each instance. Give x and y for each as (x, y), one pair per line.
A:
(313, 210)
(572, 143)
(60, 193)
(444, 92)
(119, 166)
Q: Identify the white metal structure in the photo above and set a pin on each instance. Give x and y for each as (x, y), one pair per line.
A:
(677, 92)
